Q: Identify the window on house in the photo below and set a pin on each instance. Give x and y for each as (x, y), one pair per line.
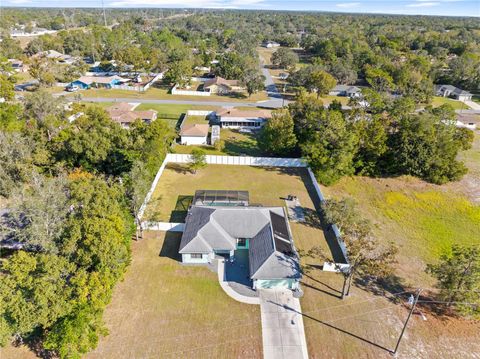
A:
(196, 255)
(241, 242)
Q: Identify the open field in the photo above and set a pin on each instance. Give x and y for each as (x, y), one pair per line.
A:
(236, 143)
(367, 325)
(162, 93)
(423, 219)
(194, 120)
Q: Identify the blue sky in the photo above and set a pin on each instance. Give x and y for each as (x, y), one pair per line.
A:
(410, 7)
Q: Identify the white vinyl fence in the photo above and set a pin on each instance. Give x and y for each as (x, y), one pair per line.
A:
(176, 91)
(239, 161)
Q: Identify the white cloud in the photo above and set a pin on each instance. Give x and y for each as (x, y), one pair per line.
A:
(20, 1)
(424, 4)
(348, 5)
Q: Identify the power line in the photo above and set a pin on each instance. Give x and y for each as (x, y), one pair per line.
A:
(249, 322)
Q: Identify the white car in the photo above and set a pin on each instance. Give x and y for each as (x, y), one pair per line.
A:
(73, 88)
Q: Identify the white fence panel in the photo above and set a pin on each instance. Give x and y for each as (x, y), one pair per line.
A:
(163, 226)
(175, 91)
(199, 113)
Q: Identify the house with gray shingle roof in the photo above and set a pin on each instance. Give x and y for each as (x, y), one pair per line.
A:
(454, 92)
(221, 230)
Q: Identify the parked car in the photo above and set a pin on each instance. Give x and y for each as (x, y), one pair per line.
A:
(72, 88)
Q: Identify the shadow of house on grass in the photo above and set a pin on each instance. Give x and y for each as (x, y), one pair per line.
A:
(170, 246)
(179, 214)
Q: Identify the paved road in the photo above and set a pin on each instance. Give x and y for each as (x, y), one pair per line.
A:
(473, 105)
(274, 96)
(283, 332)
(267, 104)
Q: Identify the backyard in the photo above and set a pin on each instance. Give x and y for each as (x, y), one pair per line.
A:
(161, 92)
(236, 143)
(366, 324)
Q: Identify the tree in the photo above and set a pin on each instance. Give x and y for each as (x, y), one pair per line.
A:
(16, 159)
(41, 69)
(277, 136)
(425, 146)
(179, 72)
(285, 58)
(219, 145)
(458, 276)
(197, 160)
(372, 140)
(379, 79)
(37, 214)
(6, 88)
(75, 334)
(330, 149)
(137, 188)
(322, 82)
(364, 254)
(254, 83)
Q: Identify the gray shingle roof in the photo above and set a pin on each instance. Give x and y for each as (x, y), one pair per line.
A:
(209, 228)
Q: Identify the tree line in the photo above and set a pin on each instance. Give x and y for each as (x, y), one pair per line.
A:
(395, 140)
(70, 192)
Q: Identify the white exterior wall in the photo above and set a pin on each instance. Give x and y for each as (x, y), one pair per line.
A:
(193, 140)
(187, 258)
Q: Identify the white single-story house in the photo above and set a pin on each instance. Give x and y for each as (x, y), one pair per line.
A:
(194, 134)
(346, 90)
(243, 119)
(218, 85)
(270, 44)
(222, 229)
(124, 114)
(454, 92)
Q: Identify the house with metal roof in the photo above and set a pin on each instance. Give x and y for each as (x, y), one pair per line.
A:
(224, 230)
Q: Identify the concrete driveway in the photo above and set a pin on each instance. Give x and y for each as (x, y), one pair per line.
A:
(282, 325)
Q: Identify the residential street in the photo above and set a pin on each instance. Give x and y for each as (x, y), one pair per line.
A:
(268, 104)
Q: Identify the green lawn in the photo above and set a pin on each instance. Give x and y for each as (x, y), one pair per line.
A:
(267, 186)
(236, 143)
(457, 105)
(164, 309)
(194, 120)
(162, 93)
(422, 219)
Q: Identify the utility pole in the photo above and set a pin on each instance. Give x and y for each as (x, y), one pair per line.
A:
(414, 303)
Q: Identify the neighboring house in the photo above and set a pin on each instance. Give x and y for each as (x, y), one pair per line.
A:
(194, 134)
(270, 44)
(221, 229)
(218, 85)
(453, 92)
(17, 65)
(86, 82)
(35, 32)
(468, 120)
(246, 119)
(346, 90)
(124, 114)
(55, 55)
